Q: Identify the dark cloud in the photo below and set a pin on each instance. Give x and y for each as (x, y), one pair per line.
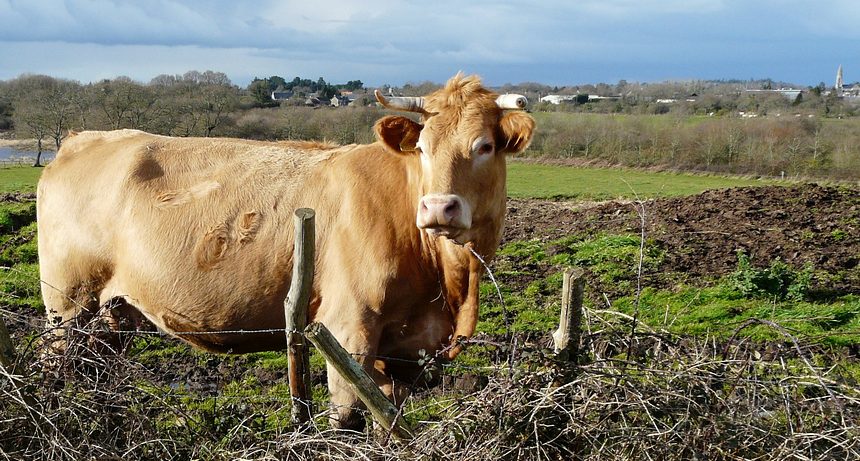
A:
(553, 41)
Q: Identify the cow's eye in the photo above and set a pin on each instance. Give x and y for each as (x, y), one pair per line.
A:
(485, 148)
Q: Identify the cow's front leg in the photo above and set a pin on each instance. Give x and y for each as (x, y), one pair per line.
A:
(358, 333)
(347, 409)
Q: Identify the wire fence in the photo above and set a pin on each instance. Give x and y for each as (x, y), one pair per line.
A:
(646, 395)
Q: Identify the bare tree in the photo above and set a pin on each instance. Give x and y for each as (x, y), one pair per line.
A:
(29, 121)
(60, 105)
(123, 103)
(45, 107)
(194, 109)
(216, 101)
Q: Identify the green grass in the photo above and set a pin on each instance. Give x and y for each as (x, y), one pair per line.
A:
(19, 179)
(779, 293)
(719, 311)
(532, 180)
(19, 287)
(553, 181)
(533, 309)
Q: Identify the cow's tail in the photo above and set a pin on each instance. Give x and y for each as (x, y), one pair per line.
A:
(467, 315)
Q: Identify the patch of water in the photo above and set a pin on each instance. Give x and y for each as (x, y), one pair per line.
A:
(9, 155)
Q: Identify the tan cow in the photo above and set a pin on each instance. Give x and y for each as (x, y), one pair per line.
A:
(197, 234)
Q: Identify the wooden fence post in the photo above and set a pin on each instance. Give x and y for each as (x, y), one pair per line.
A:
(296, 314)
(566, 338)
(380, 407)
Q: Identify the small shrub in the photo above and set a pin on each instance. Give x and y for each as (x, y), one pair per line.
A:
(838, 235)
(779, 280)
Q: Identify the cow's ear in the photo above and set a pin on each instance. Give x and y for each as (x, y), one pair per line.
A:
(516, 129)
(398, 134)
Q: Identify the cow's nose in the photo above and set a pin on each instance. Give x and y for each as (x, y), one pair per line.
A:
(440, 210)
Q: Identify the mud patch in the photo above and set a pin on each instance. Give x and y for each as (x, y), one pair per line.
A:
(701, 234)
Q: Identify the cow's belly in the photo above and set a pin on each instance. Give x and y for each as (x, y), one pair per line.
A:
(216, 310)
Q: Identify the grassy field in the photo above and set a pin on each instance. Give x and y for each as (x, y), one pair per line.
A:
(550, 181)
(19, 179)
(533, 180)
(534, 307)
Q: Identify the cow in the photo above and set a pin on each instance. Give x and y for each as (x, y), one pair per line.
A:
(196, 233)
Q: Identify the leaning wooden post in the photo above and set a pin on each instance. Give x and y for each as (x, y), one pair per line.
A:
(365, 388)
(296, 313)
(7, 350)
(566, 338)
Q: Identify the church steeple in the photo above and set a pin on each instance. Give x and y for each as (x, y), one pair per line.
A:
(839, 78)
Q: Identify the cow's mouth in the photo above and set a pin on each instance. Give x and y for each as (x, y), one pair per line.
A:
(451, 232)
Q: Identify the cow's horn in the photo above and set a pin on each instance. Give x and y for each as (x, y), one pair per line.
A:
(409, 104)
(512, 101)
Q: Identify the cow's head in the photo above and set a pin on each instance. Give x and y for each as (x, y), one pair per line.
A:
(464, 134)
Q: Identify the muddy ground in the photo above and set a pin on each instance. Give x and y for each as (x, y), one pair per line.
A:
(701, 234)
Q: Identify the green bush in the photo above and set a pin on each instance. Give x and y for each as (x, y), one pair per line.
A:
(779, 280)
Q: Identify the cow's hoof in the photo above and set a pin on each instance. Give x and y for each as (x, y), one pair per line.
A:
(350, 420)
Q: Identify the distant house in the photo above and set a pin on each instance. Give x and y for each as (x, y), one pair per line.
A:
(340, 101)
(789, 93)
(281, 95)
(690, 98)
(313, 101)
(597, 97)
(559, 98)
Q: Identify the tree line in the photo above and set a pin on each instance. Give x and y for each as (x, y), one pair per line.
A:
(815, 136)
(261, 88)
(192, 104)
(46, 108)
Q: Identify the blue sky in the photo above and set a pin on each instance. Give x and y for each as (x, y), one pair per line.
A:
(379, 42)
